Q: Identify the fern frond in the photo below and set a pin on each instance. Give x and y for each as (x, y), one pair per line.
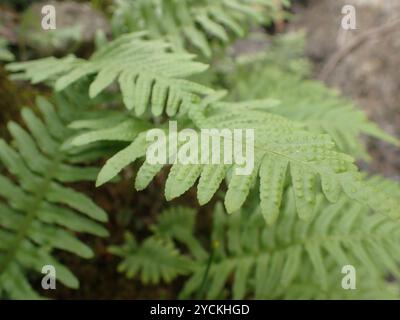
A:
(178, 224)
(155, 259)
(149, 75)
(38, 213)
(284, 154)
(270, 262)
(191, 23)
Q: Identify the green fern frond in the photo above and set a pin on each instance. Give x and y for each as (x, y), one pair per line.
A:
(155, 260)
(178, 224)
(38, 214)
(284, 154)
(149, 75)
(270, 262)
(191, 23)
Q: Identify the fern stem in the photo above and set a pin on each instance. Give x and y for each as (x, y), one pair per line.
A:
(206, 273)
